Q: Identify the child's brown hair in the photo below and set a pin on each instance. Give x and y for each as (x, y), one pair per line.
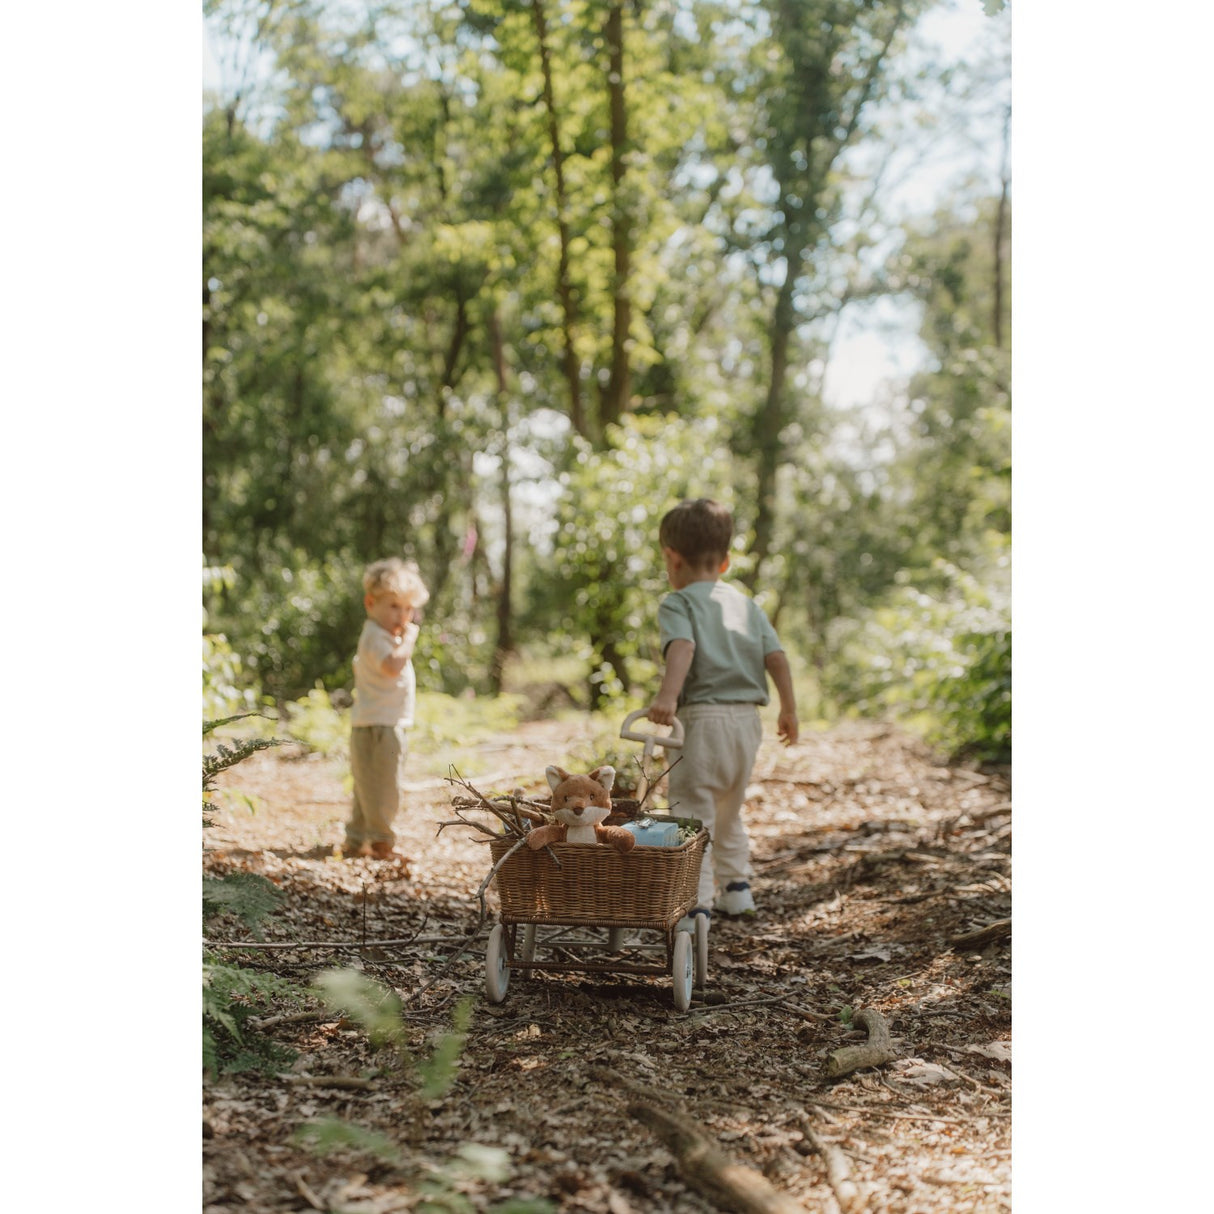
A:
(699, 530)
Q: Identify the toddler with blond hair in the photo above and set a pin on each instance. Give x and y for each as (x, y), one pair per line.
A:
(385, 690)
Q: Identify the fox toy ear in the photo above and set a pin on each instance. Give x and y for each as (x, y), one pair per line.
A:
(556, 775)
(604, 775)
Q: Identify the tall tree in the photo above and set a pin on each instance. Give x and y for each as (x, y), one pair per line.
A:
(831, 56)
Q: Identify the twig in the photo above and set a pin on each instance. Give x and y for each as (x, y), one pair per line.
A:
(350, 1083)
(651, 785)
(848, 1194)
(268, 1022)
(462, 821)
(805, 1012)
(306, 1193)
(534, 815)
(715, 1001)
(866, 1111)
(334, 944)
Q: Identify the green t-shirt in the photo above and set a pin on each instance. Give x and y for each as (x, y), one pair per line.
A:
(732, 636)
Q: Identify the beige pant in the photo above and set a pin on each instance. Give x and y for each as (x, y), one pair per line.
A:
(709, 783)
(377, 760)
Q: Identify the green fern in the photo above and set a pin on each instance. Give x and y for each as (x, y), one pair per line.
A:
(225, 756)
(438, 1072)
(328, 1134)
(249, 896)
(373, 1005)
(230, 996)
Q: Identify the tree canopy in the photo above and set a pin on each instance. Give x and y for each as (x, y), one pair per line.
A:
(493, 284)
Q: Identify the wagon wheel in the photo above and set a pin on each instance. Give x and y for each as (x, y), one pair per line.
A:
(497, 973)
(683, 970)
(701, 930)
(527, 951)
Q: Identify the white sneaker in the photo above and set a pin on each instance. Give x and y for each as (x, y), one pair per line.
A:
(736, 899)
(688, 922)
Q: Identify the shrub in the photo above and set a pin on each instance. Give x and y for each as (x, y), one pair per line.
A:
(938, 658)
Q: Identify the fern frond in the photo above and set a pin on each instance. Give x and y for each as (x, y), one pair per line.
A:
(225, 756)
(211, 726)
(248, 895)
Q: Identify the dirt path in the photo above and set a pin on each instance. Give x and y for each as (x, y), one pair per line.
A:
(871, 860)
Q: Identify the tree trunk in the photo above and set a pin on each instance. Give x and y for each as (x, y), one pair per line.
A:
(770, 420)
(505, 639)
(569, 360)
(1000, 230)
(616, 395)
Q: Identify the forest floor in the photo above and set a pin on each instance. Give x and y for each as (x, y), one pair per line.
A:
(873, 860)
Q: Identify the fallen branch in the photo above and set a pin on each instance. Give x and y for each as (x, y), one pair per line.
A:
(729, 1185)
(874, 1052)
(1001, 929)
(848, 1194)
(306, 1193)
(718, 1001)
(350, 1083)
(355, 944)
(268, 1022)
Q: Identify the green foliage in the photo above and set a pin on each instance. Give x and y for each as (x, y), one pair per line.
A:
(491, 1165)
(438, 1187)
(295, 621)
(377, 1009)
(438, 1072)
(321, 727)
(938, 657)
(374, 1006)
(444, 721)
(400, 296)
(974, 707)
(226, 688)
(224, 681)
(232, 994)
(328, 1134)
(607, 574)
(225, 756)
(249, 896)
(228, 991)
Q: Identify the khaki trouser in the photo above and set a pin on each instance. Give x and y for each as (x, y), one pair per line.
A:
(709, 783)
(377, 760)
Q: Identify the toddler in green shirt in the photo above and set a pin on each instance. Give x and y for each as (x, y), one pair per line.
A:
(719, 649)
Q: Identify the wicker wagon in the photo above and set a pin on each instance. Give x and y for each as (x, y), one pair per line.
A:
(564, 896)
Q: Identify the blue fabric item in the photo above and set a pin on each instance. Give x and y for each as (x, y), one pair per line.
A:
(654, 834)
(735, 885)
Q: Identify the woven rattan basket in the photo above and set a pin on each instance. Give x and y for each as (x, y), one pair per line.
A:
(598, 885)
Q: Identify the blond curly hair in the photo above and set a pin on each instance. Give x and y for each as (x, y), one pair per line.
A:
(394, 576)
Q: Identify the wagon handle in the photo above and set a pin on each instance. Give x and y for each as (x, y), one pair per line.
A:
(671, 741)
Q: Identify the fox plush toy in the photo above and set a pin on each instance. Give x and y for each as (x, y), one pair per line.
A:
(579, 804)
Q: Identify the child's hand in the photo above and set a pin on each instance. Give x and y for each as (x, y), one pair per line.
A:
(788, 728)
